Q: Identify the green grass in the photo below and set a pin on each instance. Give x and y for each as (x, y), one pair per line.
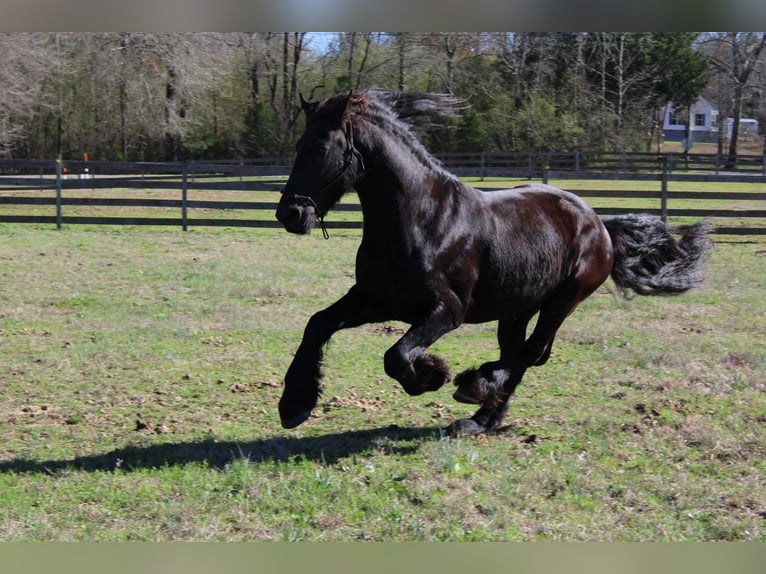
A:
(141, 370)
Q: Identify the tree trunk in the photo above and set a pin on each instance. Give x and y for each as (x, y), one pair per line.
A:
(285, 69)
(351, 48)
(254, 90)
(450, 50)
(170, 92)
(731, 160)
(368, 43)
(400, 42)
(123, 97)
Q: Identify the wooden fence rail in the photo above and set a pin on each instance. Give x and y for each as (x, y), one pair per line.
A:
(173, 191)
(532, 164)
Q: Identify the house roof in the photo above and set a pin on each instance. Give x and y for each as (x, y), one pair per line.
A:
(701, 101)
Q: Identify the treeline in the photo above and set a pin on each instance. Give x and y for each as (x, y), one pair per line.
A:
(170, 96)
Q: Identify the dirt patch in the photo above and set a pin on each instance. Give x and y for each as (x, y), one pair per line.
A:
(254, 386)
(363, 404)
(35, 414)
(389, 330)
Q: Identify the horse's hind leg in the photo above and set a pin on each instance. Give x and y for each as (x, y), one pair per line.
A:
(493, 409)
(475, 385)
(493, 383)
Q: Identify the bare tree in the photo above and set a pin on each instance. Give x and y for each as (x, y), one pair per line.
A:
(28, 64)
(735, 56)
(401, 48)
(150, 96)
(353, 43)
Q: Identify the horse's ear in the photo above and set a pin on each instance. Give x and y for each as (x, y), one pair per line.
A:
(306, 105)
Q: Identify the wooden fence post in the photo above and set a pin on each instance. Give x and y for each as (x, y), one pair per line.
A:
(664, 192)
(184, 197)
(58, 192)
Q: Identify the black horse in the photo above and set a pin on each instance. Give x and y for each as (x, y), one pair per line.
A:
(436, 253)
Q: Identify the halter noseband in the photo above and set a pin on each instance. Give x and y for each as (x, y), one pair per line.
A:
(349, 154)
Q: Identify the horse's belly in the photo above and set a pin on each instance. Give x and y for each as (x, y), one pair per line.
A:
(399, 300)
(494, 308)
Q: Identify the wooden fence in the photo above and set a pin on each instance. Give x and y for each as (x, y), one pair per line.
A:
(531, 164)
(243, 194)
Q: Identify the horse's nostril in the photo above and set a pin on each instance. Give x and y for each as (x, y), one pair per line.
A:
(289, 213)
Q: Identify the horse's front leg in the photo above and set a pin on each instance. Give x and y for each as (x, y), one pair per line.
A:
(301, 390)
(407, 361)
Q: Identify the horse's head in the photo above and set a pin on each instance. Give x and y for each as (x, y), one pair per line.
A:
(325, 164)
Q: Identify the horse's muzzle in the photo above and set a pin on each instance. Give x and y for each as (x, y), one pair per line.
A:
(296, 216)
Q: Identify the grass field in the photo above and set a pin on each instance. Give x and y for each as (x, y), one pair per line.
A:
(140, 371)
(747, 146)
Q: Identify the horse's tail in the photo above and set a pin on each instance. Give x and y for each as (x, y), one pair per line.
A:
(650, 261)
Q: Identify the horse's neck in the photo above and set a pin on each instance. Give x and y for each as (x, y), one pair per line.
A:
(398, 204)
(399, 170)
(392, 191)
(402, 186)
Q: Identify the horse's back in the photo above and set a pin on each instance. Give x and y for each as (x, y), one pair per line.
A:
(533, 209)
(542, 195)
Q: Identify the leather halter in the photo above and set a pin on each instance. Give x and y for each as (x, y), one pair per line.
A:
(349, 154)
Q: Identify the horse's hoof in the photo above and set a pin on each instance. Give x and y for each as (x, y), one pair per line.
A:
(290, 422)
(464, 427)
(463, 395)
(431, 373)
(471, 389)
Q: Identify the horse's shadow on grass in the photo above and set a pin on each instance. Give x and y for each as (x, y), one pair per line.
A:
(326, 449)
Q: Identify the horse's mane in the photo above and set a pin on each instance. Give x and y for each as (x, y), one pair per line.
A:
(387, 109)
(410, 104)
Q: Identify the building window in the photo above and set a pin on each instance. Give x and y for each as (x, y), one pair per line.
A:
(714, 120)
(699, 120)
(675, 118)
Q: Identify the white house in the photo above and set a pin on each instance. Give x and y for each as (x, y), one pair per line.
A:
(704, 124)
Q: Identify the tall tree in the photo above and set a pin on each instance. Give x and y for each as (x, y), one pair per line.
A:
(149, 96)
(29, 64)
(735, 56)
(679, 71)
(621, 75)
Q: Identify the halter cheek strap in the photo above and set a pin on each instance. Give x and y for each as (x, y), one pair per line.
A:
(349, 154)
